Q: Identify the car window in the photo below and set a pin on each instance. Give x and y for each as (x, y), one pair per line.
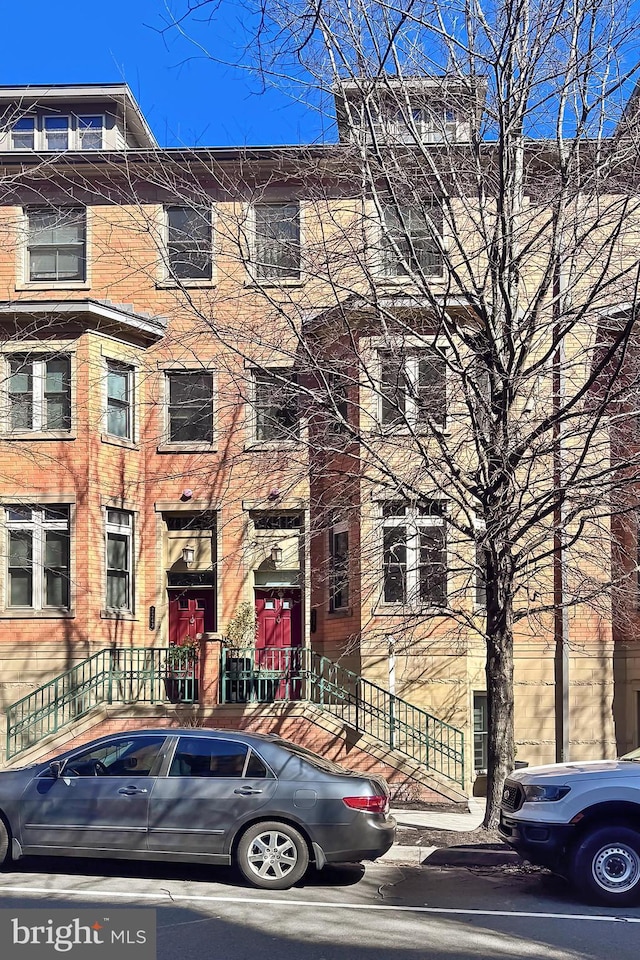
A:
(134, 756)
(204, 757)
(255, 766)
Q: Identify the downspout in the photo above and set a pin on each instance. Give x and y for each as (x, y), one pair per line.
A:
(561, 613)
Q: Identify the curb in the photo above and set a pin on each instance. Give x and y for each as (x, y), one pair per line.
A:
(468, 856)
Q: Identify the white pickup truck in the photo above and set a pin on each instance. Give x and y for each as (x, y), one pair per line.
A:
(582, 820)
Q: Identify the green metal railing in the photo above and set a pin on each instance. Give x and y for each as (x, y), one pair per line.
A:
(269, 674)
(138, 674)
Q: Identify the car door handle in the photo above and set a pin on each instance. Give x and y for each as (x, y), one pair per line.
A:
(246, 791)
(131, 791)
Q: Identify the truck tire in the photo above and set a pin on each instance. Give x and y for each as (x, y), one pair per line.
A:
(606, 866)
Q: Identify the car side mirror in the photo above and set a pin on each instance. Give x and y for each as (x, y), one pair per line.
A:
(56, 767)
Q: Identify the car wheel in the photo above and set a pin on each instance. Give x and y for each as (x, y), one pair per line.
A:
(606, 866)
(5, 844)
(272, 855)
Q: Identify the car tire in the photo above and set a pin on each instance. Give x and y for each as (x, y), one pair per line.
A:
(5, 844)
(272, 855)
(606, 866)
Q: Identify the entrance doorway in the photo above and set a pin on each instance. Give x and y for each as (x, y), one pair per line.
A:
(190, 613)
(278, 643)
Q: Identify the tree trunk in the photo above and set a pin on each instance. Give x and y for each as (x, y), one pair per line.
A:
(499, 673)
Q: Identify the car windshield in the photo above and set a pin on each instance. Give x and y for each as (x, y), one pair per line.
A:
(634, 755)
(321, 763)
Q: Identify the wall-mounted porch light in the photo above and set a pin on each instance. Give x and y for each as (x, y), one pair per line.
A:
(276, 554)
(188, 556)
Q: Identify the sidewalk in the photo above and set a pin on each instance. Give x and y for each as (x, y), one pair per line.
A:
(489, 854)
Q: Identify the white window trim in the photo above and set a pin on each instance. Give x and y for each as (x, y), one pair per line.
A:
(413, 520)
(410, 421)
(22, 252)
(165, 279)
(188, 446)
(77, 138)
(377, 239)
(37, 608)
(249, 222)
(129, 532)
(132, 370)
(43, 131)
(37, 353)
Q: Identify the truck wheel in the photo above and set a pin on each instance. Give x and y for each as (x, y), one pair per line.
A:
(606, 866)
(272, 855)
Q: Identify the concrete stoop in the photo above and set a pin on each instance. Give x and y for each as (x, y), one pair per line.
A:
(300, 721)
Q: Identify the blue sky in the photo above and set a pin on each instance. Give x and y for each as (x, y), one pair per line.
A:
(187, 97)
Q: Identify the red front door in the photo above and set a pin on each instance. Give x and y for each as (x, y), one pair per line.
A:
(278, 634)
(190, 613)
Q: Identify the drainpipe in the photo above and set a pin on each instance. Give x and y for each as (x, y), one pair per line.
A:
(561, 613)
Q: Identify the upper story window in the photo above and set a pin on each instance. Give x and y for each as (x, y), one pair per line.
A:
(23, 134)
(189, 243)
(119, 400)
(38, 557)
(56, 245)
(89, 130)
(412, 241)
(412, 388)
(56, 133)
(339, 570)
(119, 560)
(414, 553)
(277, 241)
(39, 394)
(190, 406)
(276, 405)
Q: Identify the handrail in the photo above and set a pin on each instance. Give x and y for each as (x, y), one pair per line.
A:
(292, 673)
(120, 675)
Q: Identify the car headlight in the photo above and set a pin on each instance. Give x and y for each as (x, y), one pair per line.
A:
(547, 791)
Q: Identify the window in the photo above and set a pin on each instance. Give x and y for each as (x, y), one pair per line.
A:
(276, 406)
(90, 133)
(119, 560)
(23, 133)
(339, 571)
(480, 731)
(277, 241)
(411, 241)
(125, 757)
(39, 394)
(190, 407)
(119, 400)
(414, 553)
(412, 388)
(277, 521)
(189, 243)
(204, 757)
(56, 133)
(38, 557)
(57, 243)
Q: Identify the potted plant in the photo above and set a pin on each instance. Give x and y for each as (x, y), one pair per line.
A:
(181, 682)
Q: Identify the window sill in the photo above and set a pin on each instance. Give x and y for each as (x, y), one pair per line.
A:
(118, 615)
(190, 284)
(395, 282)
(258, 446)
(340, 614)
(271, 283)
(53, 285)
(194, 447)
(16, 614)
(119, 442)
(38, 435)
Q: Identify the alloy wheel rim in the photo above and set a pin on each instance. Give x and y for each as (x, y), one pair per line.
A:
(272, 855)
(616, 868)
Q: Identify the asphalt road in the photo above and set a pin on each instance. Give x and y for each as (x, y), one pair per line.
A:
(386, 911)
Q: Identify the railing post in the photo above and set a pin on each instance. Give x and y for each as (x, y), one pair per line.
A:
(392, 722)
